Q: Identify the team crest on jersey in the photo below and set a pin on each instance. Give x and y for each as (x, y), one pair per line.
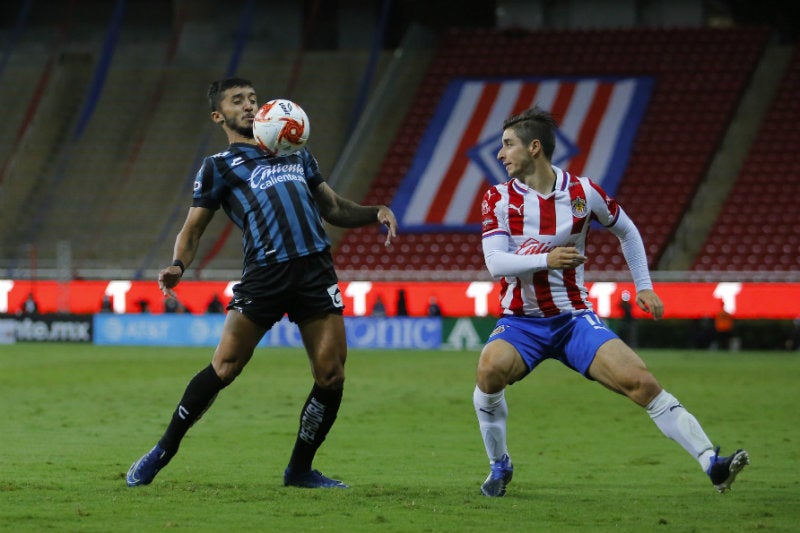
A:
(578, 207)
(497, 331)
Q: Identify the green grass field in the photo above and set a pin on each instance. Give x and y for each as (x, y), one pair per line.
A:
(76, 416)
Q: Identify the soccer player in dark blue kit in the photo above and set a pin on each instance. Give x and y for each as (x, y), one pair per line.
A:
(279, 202)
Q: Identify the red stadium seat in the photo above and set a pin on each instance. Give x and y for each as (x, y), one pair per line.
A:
(765, 237)
(700, 76)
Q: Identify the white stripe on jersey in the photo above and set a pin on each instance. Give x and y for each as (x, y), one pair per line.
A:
(536, 224)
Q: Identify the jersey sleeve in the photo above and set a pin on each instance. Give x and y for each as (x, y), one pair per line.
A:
(500, 262)
(493, 217)
(604, 208)
(311, 169)
(207, 186)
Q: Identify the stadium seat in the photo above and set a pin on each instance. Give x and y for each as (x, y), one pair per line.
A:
(700, 75)
(765, 237)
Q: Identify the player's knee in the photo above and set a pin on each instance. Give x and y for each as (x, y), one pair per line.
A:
(228, 372)
(491, 376)
(333, 380)
(328, 369)
(643, 388)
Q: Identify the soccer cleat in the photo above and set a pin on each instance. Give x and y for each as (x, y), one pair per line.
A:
(723, 470)
(145, 469)
(499, 477)
(313, 479)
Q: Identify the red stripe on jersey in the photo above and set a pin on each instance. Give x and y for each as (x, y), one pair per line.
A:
(573, 291)
(591, 124)
(488, 216)
(516, 210)
(503, 288)
(576, 194)
(515, 306)
(469, 139)
(612, 205)
(544, 297)
(547, 215)
(516, 302)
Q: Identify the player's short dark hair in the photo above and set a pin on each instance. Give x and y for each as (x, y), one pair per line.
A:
(218, 87)
(535, 123)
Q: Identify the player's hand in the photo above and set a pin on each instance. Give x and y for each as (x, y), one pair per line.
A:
(648, 301)
(168, 278)
(563, 257)
(387, 218)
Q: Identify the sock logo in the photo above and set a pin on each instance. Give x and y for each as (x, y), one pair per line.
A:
(182, 412)
(310, 421)
(490, 413)
(673, 407)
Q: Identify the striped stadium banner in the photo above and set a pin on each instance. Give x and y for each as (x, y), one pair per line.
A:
(457, 158)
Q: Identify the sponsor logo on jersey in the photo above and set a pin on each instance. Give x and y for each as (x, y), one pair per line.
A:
(534, 246)
(268, 176)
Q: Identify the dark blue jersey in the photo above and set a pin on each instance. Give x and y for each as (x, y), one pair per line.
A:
(268, 197)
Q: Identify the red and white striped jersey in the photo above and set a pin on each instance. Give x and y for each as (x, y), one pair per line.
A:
(537, 223)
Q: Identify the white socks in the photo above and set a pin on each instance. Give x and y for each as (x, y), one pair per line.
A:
(492, 411)
(670, 416)
(680, 425)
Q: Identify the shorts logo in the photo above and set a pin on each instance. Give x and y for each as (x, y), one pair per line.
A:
(336, 296)
(497, 331)
(239, 303)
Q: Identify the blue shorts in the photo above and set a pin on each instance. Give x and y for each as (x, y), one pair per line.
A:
(572, 339)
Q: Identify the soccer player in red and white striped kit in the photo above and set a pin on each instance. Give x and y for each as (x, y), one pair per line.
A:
(534, 239)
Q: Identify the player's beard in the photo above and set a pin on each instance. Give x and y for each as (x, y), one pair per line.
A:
(245, 131)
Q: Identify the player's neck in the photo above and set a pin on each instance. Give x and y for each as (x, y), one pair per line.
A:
(233, 139)
(543, 179)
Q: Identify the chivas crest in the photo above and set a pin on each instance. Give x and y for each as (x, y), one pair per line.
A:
(578, 207)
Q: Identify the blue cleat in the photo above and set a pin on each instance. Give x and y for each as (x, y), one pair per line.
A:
(499, 477)
(145, 469)
(723, 470)
(313, 479)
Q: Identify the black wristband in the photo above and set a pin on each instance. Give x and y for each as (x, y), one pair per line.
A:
(178, 263)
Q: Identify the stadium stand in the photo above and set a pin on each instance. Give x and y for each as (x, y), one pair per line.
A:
(700, 76)
(756, 230)
(138, 153)
(118, 192)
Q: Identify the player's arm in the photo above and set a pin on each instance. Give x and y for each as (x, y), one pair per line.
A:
(500, 262)
(186, 244)
(345, 213)
(635, 256)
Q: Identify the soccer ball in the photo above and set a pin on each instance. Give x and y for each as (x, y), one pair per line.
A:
(281, 127)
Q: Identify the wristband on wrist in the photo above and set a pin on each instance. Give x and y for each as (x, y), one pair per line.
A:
(178, 263)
